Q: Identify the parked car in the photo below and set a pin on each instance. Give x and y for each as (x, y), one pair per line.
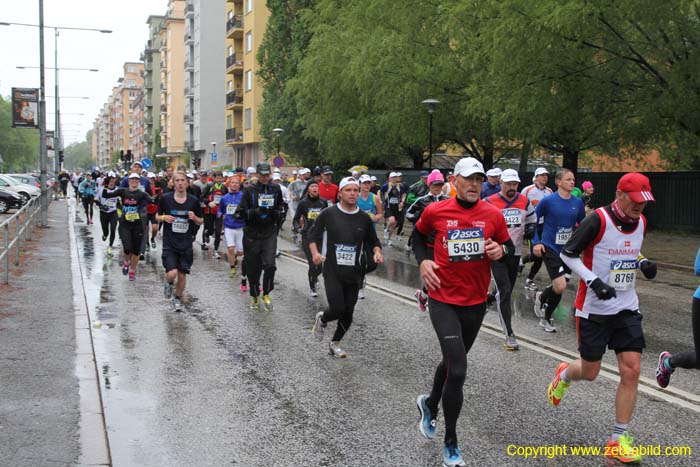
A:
(27, 179)
(10, 200)
(27, 191)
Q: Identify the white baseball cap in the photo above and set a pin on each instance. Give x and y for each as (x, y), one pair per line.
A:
(250, 170)
(510, 175)
(190, 175)
(495, 172)
(276, 176)
(134, 175)
(399, 174)
(365, 178)
(294, 172)
(276, 170)
(468, 166)
(348, 181)
(393, 174)
(151, 175)
(540, 171)
(374, 179)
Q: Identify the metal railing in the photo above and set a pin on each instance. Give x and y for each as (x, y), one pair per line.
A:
(25, 221)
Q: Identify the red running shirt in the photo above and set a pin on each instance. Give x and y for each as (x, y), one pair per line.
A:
(465, 270)
(328, 192)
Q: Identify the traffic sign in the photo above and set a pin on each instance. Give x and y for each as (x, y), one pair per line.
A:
(278, 161)
(146, 163)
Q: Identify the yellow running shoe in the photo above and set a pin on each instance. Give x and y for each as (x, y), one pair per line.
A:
(267, 302)
(254, 303)
(622, 450)
(558, 387)
(232, 272)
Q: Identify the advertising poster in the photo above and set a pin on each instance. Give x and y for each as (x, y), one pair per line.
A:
(25, 108)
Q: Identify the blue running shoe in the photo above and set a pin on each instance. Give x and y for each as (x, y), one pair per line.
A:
(428, 423)
(452, 457)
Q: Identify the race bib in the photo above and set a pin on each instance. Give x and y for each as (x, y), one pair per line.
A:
(623, 273)
(231, 209)
(142, 188)
(563, 235)
(132, 216)
(465, 244)
(181, 225)
(111, 202)
(513, 217)
(393, 200)
(217, 199)
(313, 214)
(266, 201)
(345, 254)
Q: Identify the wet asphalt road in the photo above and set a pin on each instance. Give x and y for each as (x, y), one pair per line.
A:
(222, 385)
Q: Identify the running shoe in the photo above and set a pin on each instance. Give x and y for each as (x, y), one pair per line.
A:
(521, 266)
(125, 268)
(177, 304)
(168, 289)
(490, 299)
(389, 243)
(319, 326)
(452, 456)
(335, 350)
(232, 272)
(361, 293)
(511, 343)
(428, 423)
(142, 257)
(244, 285)
(539, 312)
(558, 387)
(547, 325)
(104, 237)
(422, 299)
(313, 292)
(204, 247)
(278, 253)
(153, 243)
(407, 247)
(216, 255)
(109, 251)
(663, 374)
(267, 302)
(255, 303)
(530, 284)
(132, 276)
(622, 450)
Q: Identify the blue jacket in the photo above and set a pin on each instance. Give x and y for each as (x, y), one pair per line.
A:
(88, 188)
(230, 199)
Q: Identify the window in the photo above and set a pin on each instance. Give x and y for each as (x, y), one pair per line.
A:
(248, 80)
(229, 121)
(131, 83)
(249, 41)
(230, 14)
(130, 69)
(248, 119)
(230, 50)
(248, 6)
(229, 86)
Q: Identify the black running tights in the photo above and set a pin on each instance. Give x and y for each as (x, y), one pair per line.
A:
(108, 220)
(690, 359)
(456, 328)
(342, 297)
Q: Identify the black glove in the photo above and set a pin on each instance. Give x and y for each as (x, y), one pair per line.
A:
(602, 290)
(530, 231)
(648, 268)
(252, 214)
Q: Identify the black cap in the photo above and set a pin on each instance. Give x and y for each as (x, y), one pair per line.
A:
(262, 168)
(317, 170)
(239, 169)
(327, 169)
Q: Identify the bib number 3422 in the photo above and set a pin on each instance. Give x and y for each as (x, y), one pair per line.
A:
(465, 244)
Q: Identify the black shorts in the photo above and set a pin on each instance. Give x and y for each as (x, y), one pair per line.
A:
(621, 332)
(177, 259)
(152, 219)
(555, 266)
(131, 234)
(392, 210)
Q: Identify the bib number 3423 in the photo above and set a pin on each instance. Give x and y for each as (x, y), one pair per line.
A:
(465, 244)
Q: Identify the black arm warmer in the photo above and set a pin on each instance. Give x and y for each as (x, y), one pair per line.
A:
(420, 246)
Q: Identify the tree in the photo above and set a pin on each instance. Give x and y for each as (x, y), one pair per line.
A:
(19, 146)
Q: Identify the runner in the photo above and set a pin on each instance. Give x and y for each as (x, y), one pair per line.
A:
(344, 241)
(689, 360)
(144, 185)
(130, 224)
(326, 188)
(469, 234)
(306, 214)
(152, 208)
(179, 212)
(562, 213)
(535, 193)
(435, 183)
(260, 208)
(213, 224)
(371, 204)
(88, 189)
(108, 211)
(520, 220)
(607, 306)
(492, 185)
(393, 201)
(233, 228)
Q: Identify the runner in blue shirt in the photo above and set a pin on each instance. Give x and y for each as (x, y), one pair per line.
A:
(233, 228)
(562, 212)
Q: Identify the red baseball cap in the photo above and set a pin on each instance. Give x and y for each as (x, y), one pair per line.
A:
(636, 186)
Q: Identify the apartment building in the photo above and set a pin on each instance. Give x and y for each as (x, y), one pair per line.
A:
(204, 80)
(245, 26)
(138, 108)
(131, 87)
(151, 82)
(172, 91)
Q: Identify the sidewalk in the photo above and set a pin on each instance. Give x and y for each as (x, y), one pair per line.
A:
(672, 250)
(39, 391)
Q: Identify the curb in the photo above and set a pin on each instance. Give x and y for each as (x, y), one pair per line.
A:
(92, 433)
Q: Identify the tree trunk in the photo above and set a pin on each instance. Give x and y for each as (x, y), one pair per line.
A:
(570, 159)
(524, 156)
(487, 145)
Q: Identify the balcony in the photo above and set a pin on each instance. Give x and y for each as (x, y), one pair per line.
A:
(162, 65)
(234, 27)
(233, 99)
(150, 47)
(163, 108)
(188, 117)
(148, 138)
(189, 10)
(234, 135)
(232, 64)
(189, 91)
(189, 64)
(148, 83)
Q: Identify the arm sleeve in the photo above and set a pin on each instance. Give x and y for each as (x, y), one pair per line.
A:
(161, 207)
(316, 233)
(421, 232)
(113, 194)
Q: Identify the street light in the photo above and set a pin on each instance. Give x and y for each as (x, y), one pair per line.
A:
(278, 132)
(62, 68)
(431, 103)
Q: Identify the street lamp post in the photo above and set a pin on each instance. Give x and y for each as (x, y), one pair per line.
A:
(278, 132)
(431, 103)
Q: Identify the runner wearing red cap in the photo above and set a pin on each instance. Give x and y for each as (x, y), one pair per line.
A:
(607, 306)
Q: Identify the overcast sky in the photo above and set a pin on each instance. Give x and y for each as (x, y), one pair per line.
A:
(19, 46)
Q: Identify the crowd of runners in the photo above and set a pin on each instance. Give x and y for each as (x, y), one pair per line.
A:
(470, 230)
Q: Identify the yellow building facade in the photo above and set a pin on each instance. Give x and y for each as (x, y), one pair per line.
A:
(245, 26)
(172, 66)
